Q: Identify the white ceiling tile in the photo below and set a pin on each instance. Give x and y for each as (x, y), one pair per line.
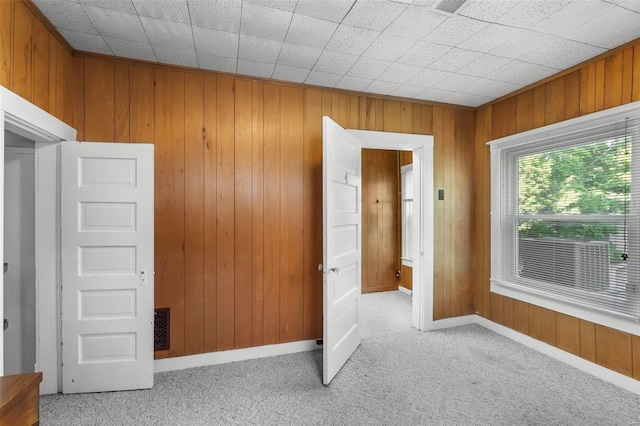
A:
(597, 31)
(331, 10)
(118, 5)
(523, 43)
(490, 88)
(455, 59)
(168, 10)
(455, 30)
(408, 91)
(351, 40)
(310, 32)
(259, 49)
(428, 77)
(628, 4)
(389, 48)
(284, 73)
(434, 94)
(182, 56)
(382, 87)
(423, 54)
(563, 21)
(368, 68)
(217, 43)
(525, 14)
(523, 73)
(167, 33)
(115, 24)
(319, 78)
(486, 10)
(66, 15)
(562, 54)
(264, 22)
(399, 73)
(353, 83)
(456, 82)
(484, 65)
(86, 42)
(286, 5)
(489, 38)
(335, 62)
(415, 22)
(218, 15)
(131, 49)
(256, 69)
(217, 63)
(373, 15)
(298, 56)
(466, 99)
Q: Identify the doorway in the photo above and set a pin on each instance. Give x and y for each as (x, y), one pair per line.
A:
(19, 290)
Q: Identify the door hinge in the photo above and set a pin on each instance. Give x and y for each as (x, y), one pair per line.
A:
(6, 323)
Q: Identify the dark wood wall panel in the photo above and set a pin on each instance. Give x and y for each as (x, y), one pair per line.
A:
(604, 83)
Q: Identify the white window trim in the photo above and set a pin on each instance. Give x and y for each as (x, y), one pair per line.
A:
(563, 128)
(403, 170)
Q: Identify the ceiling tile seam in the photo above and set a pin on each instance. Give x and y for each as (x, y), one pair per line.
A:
(324, 49)
(82, 5)
(193, 37)
(144, 31)
(239, 35)
(345, 15)
(281, 45)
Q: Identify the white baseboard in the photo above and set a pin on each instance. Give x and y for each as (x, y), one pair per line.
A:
(603, 373)
(223, 357)
(452, 322)
(404, 290)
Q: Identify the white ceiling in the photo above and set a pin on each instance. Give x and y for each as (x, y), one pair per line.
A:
(405, 48)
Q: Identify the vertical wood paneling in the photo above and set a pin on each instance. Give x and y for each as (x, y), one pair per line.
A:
(78, 72)
(485, 192)
(613, 80)
(69, 84)
(243, 204)
(627, 76)
(41, 73)
(635, 87)
(225, 126)
(407, 117)
(614, 350)
(392, 116)
(521, 316)
(341, 109)
(539, 101)
(6, 43)
(78, 92)
(587, 89)
(497, 308)
(99, 99)
(449, 195)
(141, 104)
(588, 340)
(507, 312)
(62, 97)
(524, 106)
(272, 214)
(479, 217)
(542, 324)
(438, 214)
(568, 333)
(312, 193)
(257, 137)
(572, 95)
(555, 101)
(22, 58)
(210, 227)
(169, 198)
(599, 85)
(121, 102)
(636, 357)
(193, 213)
(291, 212)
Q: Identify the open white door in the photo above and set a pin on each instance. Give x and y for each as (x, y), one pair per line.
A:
(341, 213)
(107, 266)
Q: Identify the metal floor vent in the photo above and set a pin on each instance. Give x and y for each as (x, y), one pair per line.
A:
(161, 321)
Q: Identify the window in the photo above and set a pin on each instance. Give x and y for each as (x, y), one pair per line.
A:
(566, 214)
(406, 191)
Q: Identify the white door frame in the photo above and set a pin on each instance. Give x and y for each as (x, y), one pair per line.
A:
(422, 147)
(25, 119)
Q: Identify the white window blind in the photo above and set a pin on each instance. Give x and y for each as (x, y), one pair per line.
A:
(568, 219)
(406, 192)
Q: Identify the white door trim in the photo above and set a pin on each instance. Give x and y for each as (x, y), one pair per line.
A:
(422, 147)
(25, 119)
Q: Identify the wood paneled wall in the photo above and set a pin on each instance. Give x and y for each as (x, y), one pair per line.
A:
(608, 82)
(33, 62)
(380, 220)
(239, 194)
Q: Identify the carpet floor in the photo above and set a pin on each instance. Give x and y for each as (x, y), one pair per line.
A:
(398, 376)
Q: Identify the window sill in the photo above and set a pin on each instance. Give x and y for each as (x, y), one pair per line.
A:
(627, 325)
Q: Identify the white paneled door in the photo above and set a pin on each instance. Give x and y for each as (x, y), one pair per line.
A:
(342, 201)
(107, 266)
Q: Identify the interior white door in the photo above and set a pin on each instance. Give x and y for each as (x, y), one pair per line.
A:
(342, 233)
(107, 230)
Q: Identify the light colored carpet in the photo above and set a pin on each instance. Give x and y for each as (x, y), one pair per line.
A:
(461, 376)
